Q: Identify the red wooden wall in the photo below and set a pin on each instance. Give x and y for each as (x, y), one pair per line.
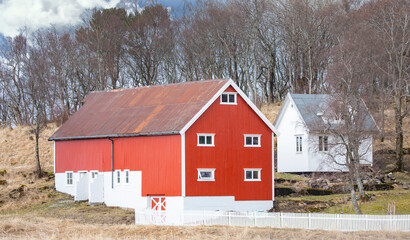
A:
(158, 157)
(229, 156)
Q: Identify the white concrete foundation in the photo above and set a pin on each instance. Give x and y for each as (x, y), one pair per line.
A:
(128, 195)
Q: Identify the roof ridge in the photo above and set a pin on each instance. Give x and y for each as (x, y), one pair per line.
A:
(160, 85)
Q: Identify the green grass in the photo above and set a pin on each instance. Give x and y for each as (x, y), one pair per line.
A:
(324, 198)
(379, 203)
(289, 176)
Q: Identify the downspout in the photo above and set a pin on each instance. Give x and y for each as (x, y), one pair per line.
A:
(112, 162)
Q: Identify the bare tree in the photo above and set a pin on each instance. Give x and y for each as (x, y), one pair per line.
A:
(37, 89)
(390, 21)
(347, 117)
(148, 45)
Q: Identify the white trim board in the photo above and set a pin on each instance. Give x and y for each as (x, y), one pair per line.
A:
(183, 164)
(283, 108)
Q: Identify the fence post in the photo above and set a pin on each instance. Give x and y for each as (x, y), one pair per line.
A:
(337, 222)
(203, 217)
(281, 219)
(229, 218)
(309, 223)
(366, 226)
(254, 216)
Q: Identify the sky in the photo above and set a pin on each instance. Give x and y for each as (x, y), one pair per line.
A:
(35, 14)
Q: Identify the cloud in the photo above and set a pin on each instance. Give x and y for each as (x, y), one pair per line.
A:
(35, 14)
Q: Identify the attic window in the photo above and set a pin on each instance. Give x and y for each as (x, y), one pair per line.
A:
(228, 98)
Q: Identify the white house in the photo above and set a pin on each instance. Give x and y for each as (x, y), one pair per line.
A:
(307, 142)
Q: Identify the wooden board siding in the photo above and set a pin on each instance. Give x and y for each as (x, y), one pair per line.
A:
(158, 157)
(229, 157)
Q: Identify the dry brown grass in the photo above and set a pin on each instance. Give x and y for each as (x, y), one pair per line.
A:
(29, 227)
(17, 157)
(271, 111)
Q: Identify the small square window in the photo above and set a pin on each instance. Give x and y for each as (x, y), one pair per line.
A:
(252, 140)
(94, 174)
(69, 176)
(228, 98)
(206, 174)
(252, 174)
(206, 139)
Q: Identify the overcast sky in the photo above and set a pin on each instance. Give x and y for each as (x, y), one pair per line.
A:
(15, 14)
(34, 14)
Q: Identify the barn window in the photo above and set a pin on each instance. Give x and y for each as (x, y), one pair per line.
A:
(252, 140)
(323, 143)
(206, 139)
(94, 174)
(206, 174)
(298, 144)
(252, 174)
(127, 176)
(228, 98)
(69, 176)
(118, 176)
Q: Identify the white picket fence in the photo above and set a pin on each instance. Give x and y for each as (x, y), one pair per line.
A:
(340, 222)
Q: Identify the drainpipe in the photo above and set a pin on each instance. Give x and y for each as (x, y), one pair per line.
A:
(112, 162)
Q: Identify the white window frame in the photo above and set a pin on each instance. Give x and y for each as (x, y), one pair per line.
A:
(299, 143)
(252, 136)
(66, 178)
(126, 176)
(93, 174)
(212, 135)
(325, 144)
(210, 179)
(229, 93)
(118, 177)
(259, 170)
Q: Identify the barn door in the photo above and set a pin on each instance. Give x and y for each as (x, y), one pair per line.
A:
(158, 203)
(159, 206)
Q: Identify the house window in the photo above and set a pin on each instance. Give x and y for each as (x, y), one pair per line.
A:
(69, 176)
(252, 140)
(323, 143)
(205, 139)
(228, 98)
(206, 174)
(252, 174)
(94, 174)
(118, 176)
(127, 176)
(298, 144)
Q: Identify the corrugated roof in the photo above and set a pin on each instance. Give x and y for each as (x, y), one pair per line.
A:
(311, 106)
(152, 110)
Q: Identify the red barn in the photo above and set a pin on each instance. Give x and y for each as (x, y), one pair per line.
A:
(194, 145)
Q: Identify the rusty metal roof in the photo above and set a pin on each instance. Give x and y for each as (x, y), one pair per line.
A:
(152, 110)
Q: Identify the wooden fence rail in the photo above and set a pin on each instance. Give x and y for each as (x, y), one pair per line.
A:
(340, 222)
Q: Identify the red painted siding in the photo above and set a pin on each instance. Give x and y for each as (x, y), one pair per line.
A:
(229, 156)
(158, 157)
